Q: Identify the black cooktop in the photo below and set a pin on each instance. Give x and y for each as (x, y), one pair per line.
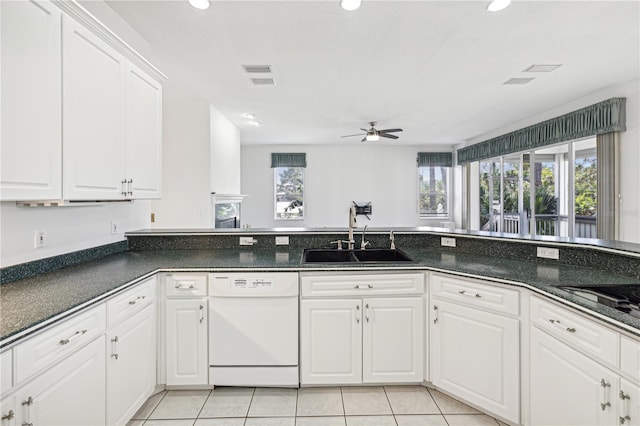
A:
(625, 298)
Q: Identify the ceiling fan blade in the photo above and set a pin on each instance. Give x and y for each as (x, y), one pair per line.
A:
(390, 130)
(388, 136)
(364, 139)
(348, 136)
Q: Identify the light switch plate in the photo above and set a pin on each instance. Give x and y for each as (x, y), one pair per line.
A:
(447, 242)
(548, 253)
(247, 241)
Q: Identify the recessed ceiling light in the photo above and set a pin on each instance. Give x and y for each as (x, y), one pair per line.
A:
(519, 80)
(199, 4)
(542, 68)
(249, 116)
(498, 5)
(255, 123)
(263, 81)
(257, 68)
(350, 4)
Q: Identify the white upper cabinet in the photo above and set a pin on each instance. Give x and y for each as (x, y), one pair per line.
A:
(30, 61)
(93, 116)
(144, 134)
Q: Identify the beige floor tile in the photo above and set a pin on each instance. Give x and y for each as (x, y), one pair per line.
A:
(411, 400)
(180, 405)
(228, 402)
(320, 402)
(273, 402)
(149, 406)
(365, 401)
(221, 421)
(170, 422)
(270, 421)
(449, 405)
(370, 421)
(470, 420)
(321, 421)
(420, 420)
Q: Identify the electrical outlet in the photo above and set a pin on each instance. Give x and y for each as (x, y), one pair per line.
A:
(247, 241)
(282, 240)
(447, 242)
(114, 227)
(39, 238)
(153, 217)
(548, 253)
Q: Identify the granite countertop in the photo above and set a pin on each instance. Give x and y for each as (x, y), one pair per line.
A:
(29, 302)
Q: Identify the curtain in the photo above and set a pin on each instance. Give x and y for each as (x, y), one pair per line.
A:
(288, 159)
(435, 159)
(601, 118)
(608, 186)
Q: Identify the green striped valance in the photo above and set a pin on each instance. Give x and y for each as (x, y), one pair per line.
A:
(288, 159)
(435, 159)
(604, 117)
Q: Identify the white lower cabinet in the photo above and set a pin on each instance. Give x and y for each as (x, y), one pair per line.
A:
(186, 342)
(475, 355)
(131, 365)
(371, 340)
(71, 392)
(567, 387)
(629, 403)
(8, 411)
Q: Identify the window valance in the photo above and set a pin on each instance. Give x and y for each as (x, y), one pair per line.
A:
(288, 159)
(604, 117)
(435, 159)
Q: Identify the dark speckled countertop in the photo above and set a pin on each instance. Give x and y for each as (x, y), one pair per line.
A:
(27, 303)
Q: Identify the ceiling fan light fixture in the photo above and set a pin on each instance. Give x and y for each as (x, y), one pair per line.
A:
(498, 5)
(350, 4)
(199, 4)
(372, 137)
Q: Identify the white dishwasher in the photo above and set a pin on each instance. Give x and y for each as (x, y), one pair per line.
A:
(253, 329)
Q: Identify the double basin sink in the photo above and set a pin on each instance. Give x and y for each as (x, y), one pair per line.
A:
(355, 256)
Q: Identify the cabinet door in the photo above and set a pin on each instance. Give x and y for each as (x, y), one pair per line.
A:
(392, 340)
(31, 108)
(186, 342)
(131, 372)
(629, 403)
(144, 135)
(474, 354)
(8, 411)
(70, 393)
(567, 387)
(330, 341)
(93, 116)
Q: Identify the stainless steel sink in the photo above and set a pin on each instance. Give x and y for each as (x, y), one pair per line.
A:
(355, 256)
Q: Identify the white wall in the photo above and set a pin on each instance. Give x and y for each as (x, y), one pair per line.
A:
(225, 155)
(186, 176)
(629, 149)
(335, 176)
(67, 228)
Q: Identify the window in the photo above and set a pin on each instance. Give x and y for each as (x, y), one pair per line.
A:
(288, 171)
(289, 191)
(433, 184)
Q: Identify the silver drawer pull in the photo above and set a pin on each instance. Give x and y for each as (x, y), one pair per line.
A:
(137, 299)
(182, 287)
(624, 419)
(359, 286)
(74, 336)
(462, 291)
(10, 415)
(478, 295)
(571, 329)
(604, 405)
(28, 402)
(27, 424)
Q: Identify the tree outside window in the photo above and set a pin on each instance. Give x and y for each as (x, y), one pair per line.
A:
(433, 200)
(289, 193)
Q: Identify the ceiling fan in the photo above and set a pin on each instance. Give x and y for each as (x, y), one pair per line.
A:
(374, 134)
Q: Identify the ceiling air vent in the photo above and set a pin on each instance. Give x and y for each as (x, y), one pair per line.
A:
(519, 81)
(256, 69)
(263, 81)
(542, 68)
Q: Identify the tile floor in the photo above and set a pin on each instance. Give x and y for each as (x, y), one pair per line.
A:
(344, 406)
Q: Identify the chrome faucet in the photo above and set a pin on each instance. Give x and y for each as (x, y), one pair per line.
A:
(393, 240)
(363, 243)
(352, 225)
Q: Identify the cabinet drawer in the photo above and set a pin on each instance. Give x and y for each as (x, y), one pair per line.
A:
(630, 357)
(6, 371)
(345, 284)
(470, 292)
(185, 285)
(591, 338)
(130, 302)
(58, 342)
